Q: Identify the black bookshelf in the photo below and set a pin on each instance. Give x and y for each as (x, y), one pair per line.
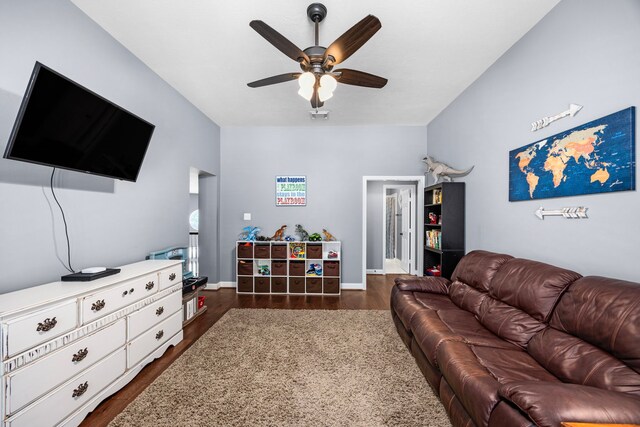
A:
(444, 240)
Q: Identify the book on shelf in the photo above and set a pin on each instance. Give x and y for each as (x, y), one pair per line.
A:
(437, 196)
(434, 239)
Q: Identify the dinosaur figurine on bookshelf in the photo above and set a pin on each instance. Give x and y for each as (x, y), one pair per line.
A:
(442, 172)
(304, 235)
(279, 234)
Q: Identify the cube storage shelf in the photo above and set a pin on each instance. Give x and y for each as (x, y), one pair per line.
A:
(308, 268)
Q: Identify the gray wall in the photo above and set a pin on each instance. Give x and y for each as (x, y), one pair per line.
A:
(334, 159)
(584, 52)
(110, 222)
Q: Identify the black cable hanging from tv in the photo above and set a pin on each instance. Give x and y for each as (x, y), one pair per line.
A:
(64, 219)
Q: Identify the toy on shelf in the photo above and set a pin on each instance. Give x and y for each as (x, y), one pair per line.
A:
(290, 238)
(302, 232)
(332, 255)
(327, 236)
(249, 233)
(264, 270)
(315, 237)
(297, 250)
(433, 218)
(314, 270)
(279, 233)
(434, 271)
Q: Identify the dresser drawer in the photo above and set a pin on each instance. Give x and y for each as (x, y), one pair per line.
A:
(54, 407)
(170, 276)
(154, 313)
(28, 383)
(113, 299)
(25, 332)
(153, 338)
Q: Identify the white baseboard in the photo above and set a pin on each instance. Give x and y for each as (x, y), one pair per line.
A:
(216, 286)
(375, 271)
(352, 286)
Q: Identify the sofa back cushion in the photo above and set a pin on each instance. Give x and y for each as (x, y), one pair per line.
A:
(520, 298)
(477, 268)
(466, 297)
(606, 314)
(573, 360)
(531, 286)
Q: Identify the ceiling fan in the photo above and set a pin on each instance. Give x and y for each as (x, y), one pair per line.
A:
(318, 79)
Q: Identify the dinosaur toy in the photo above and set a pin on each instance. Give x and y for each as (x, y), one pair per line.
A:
(327, 236)
(304, 236)
(279, 233)
(249, 233)
(442, 172)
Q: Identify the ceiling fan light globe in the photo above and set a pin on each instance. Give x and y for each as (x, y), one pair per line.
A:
(306, 92)
(307, 81)
(324, 93)
(328, 82)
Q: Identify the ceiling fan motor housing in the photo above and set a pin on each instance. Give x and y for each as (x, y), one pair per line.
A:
(316, 12)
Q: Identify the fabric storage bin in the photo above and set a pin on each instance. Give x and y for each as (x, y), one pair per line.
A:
(262, 251)
(279, 285)
(245, 250)
(278, 268)
(314, 251)
(263, 284)
(331, 268)
(245, 268)
(245, 284)
(279, 251)
(331, 286)
(296, 268)
(296, 285)
(314, 286)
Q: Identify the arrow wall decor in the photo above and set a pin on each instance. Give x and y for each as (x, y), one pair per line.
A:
(546, 121)
(579, 212)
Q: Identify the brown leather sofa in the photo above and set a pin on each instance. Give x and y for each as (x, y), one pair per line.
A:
(512, 342)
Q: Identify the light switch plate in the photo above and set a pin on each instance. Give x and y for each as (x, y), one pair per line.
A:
(247, 217)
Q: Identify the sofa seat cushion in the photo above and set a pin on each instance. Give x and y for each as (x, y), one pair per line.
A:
(511, 365)
(575, 361)
(430, 332)
(549, 404)
(407, 303)
(434, 301)
(465, 325)
(471, 382)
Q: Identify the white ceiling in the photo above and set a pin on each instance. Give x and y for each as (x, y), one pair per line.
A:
(429, 50)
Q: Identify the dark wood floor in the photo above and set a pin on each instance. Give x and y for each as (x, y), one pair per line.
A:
(219, 302)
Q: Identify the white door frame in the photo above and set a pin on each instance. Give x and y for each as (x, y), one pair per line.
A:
(412, 226)
(420, 184)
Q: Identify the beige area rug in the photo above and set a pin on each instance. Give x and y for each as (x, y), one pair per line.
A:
(260, 367)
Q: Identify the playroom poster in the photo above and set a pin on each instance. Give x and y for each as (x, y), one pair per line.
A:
(291, 190)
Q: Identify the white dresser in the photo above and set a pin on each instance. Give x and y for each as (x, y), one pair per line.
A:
(65, 346)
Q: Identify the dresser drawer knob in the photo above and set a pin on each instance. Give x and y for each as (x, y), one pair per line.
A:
(159, 334)
(150, 285)
(82, 388)
(46, 325)
(172, 276)
(159, 311)
(80, 355)
(98, 305)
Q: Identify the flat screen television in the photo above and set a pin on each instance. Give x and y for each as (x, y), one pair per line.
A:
(64, 125)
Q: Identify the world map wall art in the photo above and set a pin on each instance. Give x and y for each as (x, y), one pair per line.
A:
(596, 157)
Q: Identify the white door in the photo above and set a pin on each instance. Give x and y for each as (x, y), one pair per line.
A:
(405, 229)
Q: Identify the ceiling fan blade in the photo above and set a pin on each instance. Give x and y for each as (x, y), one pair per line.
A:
(359, 78)
(352, 40)
(274, 79)
(279, 41)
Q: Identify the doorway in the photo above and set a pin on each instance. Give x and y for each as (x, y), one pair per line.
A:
(399, 229)
(374, 224)
(203, 225)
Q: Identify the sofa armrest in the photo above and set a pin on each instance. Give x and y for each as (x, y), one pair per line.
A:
(432, 284)
(549, 404)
